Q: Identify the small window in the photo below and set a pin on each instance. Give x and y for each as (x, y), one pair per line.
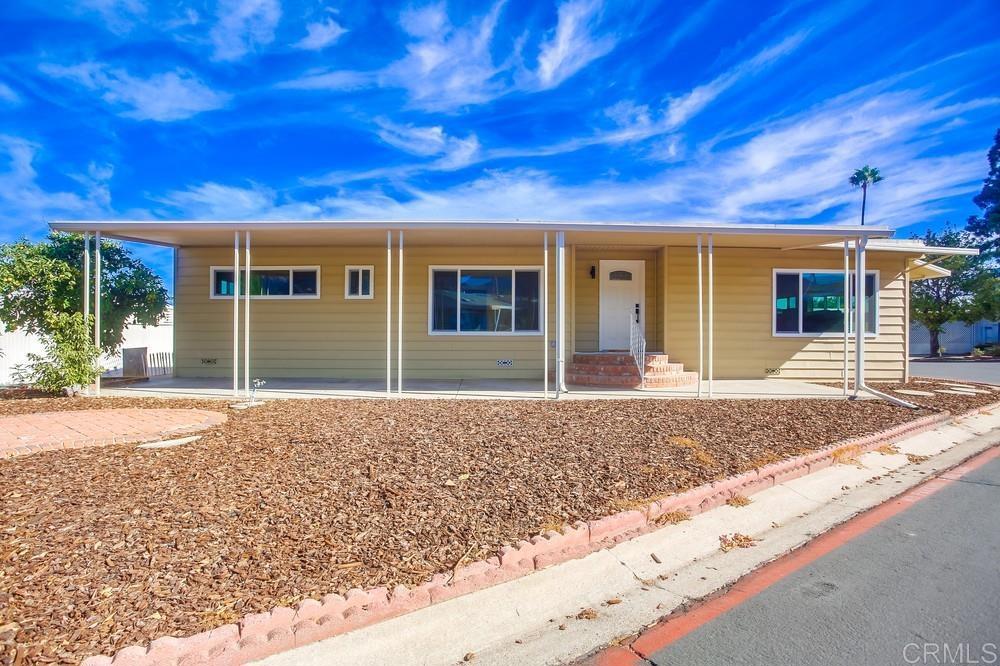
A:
(304, 283)
(620, 275)
(267, 282)
(358, 282)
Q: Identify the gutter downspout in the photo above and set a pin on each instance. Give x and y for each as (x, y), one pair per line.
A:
(859, 332)
(847, 316)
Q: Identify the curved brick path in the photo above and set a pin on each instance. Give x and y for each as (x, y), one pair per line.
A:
(28, 433)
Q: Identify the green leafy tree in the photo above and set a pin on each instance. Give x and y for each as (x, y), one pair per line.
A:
(70, 359)
(38, 280)
(986, 227)
(935, 302)
(863, 178)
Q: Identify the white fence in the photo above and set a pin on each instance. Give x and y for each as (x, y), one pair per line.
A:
(158, 340)
(159, 363)
(957, 337)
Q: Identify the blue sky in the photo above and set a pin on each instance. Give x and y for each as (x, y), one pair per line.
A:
(576, 109)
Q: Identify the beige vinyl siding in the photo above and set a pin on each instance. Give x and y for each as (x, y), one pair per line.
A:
(744, 344)
(586, 316)
(334, 337)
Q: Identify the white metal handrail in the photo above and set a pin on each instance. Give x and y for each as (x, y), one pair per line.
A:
(637, 348)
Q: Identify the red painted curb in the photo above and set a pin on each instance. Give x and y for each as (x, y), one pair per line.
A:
(264, 634)
(616, 656)
(675, 628)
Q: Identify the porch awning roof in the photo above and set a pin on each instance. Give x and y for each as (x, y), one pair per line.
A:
(181, 233)
(909, 246)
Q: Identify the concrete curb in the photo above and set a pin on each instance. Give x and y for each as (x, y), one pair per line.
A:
(264, 634)
(210, 420)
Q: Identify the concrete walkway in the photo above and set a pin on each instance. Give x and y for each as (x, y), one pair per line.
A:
(30, 433)
(483, 389)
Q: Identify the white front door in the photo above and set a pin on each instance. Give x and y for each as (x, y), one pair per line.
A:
(623, 289)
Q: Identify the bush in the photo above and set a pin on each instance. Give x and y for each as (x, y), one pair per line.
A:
(70, 359)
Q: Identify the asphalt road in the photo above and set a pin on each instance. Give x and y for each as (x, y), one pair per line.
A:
(923, 587)
(962, 370)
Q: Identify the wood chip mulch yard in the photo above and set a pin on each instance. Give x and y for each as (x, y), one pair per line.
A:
(107, 547)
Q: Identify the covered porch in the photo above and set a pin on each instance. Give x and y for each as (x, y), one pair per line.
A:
(379, 330)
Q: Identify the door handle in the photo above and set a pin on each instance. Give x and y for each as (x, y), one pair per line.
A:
(637, 314)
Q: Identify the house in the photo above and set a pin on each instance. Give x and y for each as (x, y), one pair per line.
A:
(594, 303)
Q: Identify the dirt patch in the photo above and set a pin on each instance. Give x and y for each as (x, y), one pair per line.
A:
(104, 548)
(12, 404)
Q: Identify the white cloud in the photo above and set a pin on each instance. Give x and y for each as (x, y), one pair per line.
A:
(243, 26)
(213, 201)
(321, 34)
(335, 80)
(24, 204)
(680, 109)
(627, 113)
(164, 97)
(444, 153)
(793, 169)
(119, 16)
(445, 66)
(633, 122)
(8, 96)
(574, 43)
(797, 167)
(453, 152)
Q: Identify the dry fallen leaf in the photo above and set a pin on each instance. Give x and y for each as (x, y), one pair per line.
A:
(736, 540)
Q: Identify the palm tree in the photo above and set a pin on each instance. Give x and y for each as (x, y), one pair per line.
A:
(862, 178)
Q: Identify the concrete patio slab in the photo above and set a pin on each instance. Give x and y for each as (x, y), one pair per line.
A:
(483, 389)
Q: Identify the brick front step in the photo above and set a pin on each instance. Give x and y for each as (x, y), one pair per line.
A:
(616, 358)
(632, 381)
(622, 369)
(617, 369)
(671, 380)
(622, 381)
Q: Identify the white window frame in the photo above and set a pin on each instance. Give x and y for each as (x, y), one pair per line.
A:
(513, 300)
(371, 283)
(829, 334)
(289, 297)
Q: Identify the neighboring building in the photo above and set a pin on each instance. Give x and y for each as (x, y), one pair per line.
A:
(158, 341)
(956, 338)
(326, 299)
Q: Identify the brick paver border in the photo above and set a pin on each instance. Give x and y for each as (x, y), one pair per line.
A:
(264, 634)
(50, 431)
